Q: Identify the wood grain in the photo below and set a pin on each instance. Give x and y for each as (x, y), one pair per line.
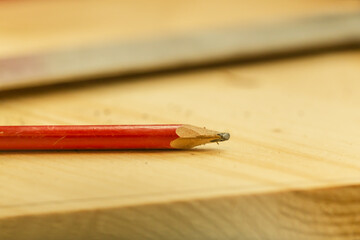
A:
(290, 171)
(51, 41)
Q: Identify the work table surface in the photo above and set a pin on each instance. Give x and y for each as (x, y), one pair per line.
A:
(291, 169)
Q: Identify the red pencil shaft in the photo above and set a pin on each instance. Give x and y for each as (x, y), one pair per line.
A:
(73, 137)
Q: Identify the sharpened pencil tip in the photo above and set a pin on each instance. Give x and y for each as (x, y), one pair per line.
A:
(191, 136)
(224, 136)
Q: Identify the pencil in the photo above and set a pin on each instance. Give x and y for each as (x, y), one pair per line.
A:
(78, 137)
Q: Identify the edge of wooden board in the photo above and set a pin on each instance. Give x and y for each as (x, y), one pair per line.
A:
(295, 214)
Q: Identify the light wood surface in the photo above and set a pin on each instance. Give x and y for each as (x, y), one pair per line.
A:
(51, 41)
(290, 170)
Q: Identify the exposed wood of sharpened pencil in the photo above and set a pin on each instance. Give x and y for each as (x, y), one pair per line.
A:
(193, 48)
(77, 137)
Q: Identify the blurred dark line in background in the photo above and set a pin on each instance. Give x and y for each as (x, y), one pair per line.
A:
(64, 45)
(140, 76)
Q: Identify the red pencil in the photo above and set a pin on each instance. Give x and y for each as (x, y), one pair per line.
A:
(72, 137)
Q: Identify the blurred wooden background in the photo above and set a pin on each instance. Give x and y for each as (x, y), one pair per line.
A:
(290, 170)
(44, 42)
(28, 26)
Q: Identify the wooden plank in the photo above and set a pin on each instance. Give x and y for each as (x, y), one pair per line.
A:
(290, 170)
(49, 41)
(195, 48)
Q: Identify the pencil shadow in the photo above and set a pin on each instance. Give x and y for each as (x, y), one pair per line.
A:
(102, 152)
